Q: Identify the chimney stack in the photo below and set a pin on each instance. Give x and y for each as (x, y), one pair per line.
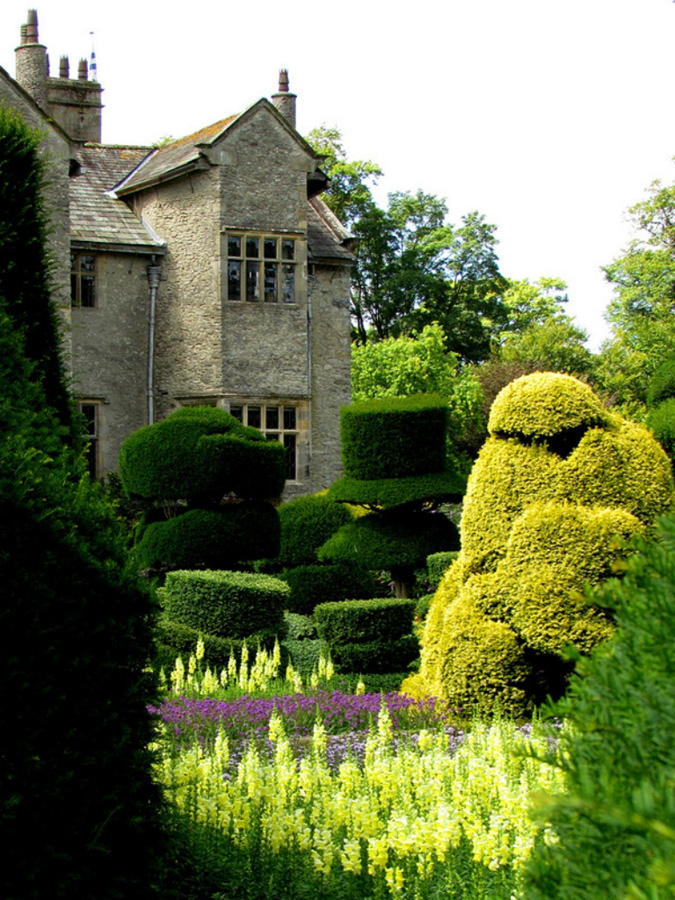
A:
(32, 64)
(284, 100)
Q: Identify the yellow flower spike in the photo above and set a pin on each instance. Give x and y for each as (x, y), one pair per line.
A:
(192, 665)
(314, 679)
(330, 671)
(360, 687)
(162, 682)
(199, 652)
(276, 655)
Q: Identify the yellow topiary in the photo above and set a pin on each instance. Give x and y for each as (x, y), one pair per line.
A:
(559, 487)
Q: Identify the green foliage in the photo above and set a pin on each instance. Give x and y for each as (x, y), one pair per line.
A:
(306, 523)
(394, 438)
(225, 604)
(363, 621)
(392, 539)
(25, 266)
(314, 584)
(437, 564)
(385, 493)
(77, 800)
(559, 487)
(200, 454)
(210, 538)
(177, 639)
(615, 825)
(662, 423)
(299, 627)
(369, 635)
(662, 384)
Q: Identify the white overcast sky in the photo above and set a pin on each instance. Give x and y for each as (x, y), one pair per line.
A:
(551, 118)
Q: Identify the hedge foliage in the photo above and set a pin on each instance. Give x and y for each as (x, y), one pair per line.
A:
(615, 825)
(538, 524)
(210, 538)
(307, 523)
(364, 621)
(438, 564)
(386, 493)
(231, 605)
(317, 583)
(661, 420)
(662, 383)
(201, 453)
(392, 539)
(176, 639)
(376, 657)
(394, 438)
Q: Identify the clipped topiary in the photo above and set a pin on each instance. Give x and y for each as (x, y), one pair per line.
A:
(662, 383)
(225, 604)
(369, 635)
(394, 459)
(558, 488)
(209, 480)
(317, 583)
(306, 523)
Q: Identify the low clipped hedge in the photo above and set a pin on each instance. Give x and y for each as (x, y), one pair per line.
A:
(175, 639)
(306, 523)
(363, 621)
(305, 655)
(392, 539)
(210, 538)
(315, 584)
(232, 605)
(394, 438)
(438, 564)
(376, 657)
(198, 453)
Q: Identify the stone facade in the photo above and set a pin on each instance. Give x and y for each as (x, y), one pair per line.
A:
(204, 271)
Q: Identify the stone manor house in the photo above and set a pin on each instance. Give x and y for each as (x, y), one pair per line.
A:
(206, 271)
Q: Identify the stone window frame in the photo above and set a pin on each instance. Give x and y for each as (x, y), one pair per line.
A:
(90, 410)
(289, 427)
(83, 280)
(266, 273)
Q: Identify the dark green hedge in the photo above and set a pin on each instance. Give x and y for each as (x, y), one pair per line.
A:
(662, 383)
(661, 420)
(394, 438)
(226, 604)
(306, 524)
(325, 584)
(376, 656)
(299, 627)
(437, 564)
(175, 639)
(215, 539)
(305, 654)
(362, 621)
(394, 539)
(199, 454)
(440, 487)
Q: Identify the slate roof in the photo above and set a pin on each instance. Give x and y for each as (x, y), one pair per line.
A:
(97, 218)
(327, 238)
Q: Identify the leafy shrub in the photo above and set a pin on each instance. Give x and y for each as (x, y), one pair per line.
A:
(315, 584)
(360, 621)
(201, 453)
(305, 654)
(437, 564)
(662, 383)
(176, 639)
(394, 438)
(661, 420)
(558, 487)
(209, 538)
(299, 627)
(225, 604)
(307, 523)
(376, 657)
(615, 826)
(392, 539)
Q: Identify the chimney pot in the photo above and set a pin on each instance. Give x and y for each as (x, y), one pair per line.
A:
(82, 74)
(284, 100)
(283, 81)
(32, 27)
(64, 67)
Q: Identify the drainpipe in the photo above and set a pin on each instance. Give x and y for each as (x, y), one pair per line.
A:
(154, 271)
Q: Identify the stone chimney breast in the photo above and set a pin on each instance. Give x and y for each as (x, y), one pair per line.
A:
(284, 100)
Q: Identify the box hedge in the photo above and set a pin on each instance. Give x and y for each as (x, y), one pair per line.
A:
(229, 605)
(210, 538)
(306, 523)
(394, 438)
(376, 657)
(315, 584)
(175, 639)
(438, 564)
(361, 621)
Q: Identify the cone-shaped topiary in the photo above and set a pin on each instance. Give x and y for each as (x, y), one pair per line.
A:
(559, 486)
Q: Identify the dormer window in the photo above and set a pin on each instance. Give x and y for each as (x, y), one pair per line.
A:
(261, 267)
